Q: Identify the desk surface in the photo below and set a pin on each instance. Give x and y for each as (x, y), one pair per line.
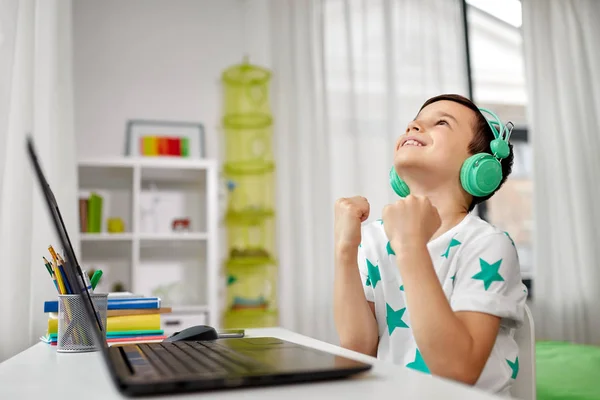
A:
(41, 373)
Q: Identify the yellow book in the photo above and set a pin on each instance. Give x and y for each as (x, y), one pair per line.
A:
(52, 324)
(123, 323)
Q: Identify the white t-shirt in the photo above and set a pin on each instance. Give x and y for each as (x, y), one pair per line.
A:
(478, 268)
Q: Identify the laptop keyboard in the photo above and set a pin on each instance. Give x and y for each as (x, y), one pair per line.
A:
(198, 358)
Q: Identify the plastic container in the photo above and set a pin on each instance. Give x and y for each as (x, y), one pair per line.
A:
(250, 239)
(246, 147)
(250, 187)
(251, 288)
(246, 89)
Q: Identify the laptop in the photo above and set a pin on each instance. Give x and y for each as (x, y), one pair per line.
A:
(193, 366)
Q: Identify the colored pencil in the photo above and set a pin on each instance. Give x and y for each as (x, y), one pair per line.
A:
(51, 272)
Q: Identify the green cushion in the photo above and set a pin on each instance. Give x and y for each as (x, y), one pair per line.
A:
(567, 371)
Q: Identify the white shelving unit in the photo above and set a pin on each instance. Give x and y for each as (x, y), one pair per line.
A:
(149, 258)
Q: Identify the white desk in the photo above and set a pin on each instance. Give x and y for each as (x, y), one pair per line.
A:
(41, 373)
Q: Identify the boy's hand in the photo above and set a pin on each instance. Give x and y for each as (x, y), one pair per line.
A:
(349, 214)
(410, 222)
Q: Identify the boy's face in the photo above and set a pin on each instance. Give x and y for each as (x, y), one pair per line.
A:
(442, 132)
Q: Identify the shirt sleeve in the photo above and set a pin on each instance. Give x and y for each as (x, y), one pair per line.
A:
(488, 279)
(364, 274)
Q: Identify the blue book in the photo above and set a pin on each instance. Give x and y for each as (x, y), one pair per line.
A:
(128, 303)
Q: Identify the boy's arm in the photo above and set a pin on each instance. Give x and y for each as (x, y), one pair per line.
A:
(455, 340)
(354, 315)
(453, 345)
(354, 319)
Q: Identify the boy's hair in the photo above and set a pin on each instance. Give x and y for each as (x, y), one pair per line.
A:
(482, 138)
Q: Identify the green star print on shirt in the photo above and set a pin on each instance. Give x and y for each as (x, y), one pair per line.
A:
(374, 275)
(389, 249)
(419, 363)
(514, 366)
(489, 273)
(394, 318)
(452, 244)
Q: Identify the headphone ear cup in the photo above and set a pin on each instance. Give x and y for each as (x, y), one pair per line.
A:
(480, 174)
(399, 186)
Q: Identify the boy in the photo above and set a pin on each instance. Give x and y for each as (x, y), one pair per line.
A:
(437, 289)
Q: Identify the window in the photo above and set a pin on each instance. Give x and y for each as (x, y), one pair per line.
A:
(498, 83)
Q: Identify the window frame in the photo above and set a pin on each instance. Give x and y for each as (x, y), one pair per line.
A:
(519, 134)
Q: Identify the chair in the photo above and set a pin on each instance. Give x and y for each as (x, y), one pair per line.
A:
(524, 387)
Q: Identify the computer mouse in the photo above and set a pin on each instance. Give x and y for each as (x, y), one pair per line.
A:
(194, 333)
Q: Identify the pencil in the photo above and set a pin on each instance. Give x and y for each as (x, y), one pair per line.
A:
(77, 332)
(66, 282)
(61, 285)
(52, 253)
(51, 272)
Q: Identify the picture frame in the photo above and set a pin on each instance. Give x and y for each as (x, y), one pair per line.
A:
(154, 138)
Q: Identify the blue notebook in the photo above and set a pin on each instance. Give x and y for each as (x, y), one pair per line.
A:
(128, 303)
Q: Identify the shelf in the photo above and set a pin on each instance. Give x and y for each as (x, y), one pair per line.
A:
(167, 236)
(174, 236)
(148, 162)
(149, 193)
(173, 177)
(105, 163)
(106, 237)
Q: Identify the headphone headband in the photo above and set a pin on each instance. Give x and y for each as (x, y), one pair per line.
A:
(499, 145)
(502, 132)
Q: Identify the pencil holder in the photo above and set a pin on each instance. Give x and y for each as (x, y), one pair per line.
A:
(75, 331)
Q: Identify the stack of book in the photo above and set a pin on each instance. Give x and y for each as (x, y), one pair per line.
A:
(130, 318)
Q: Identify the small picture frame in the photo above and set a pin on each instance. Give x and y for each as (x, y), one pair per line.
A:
(149, 138)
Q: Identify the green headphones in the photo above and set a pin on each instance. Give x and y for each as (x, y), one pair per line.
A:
(481, 173)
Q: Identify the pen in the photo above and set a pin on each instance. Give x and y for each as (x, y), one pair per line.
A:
(86, 284)
(96, 278)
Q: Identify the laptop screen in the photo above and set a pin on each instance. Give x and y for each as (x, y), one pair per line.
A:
(72, 269)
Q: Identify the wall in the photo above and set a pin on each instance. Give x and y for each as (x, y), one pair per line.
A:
(157, 59)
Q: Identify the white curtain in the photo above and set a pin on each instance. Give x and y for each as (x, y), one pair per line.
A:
(35, 97)
(562, 55)
(349, 76)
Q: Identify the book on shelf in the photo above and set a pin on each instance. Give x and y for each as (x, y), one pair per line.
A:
(90, 213)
